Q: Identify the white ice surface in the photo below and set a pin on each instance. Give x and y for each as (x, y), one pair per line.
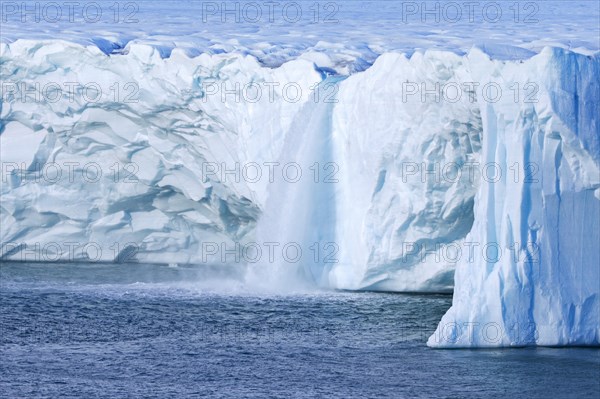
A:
(164, 198)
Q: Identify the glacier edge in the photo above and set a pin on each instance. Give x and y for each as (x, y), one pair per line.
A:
(544, 290)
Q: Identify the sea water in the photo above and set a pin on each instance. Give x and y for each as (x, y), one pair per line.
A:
(157, 331)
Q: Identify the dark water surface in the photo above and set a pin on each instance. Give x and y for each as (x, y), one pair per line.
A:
(114, 331)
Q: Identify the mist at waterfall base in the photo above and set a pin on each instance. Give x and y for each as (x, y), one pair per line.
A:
(138, 330)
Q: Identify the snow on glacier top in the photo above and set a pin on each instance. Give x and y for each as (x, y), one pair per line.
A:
(345, 36)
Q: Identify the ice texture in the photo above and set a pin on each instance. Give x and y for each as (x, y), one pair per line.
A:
(134, 171)
(385, 142)
(544, 290)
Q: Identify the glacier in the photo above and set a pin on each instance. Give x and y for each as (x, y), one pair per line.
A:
(392, 209)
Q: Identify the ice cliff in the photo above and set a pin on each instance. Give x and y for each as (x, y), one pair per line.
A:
(427, 163)
(540, 285)
(139, 159)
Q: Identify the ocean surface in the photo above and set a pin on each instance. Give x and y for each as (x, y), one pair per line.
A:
(149, 331)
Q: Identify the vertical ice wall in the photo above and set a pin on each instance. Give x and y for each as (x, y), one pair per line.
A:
(398, 202)
(541, 283)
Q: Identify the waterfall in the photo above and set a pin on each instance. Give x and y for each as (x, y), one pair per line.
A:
(300, 212)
